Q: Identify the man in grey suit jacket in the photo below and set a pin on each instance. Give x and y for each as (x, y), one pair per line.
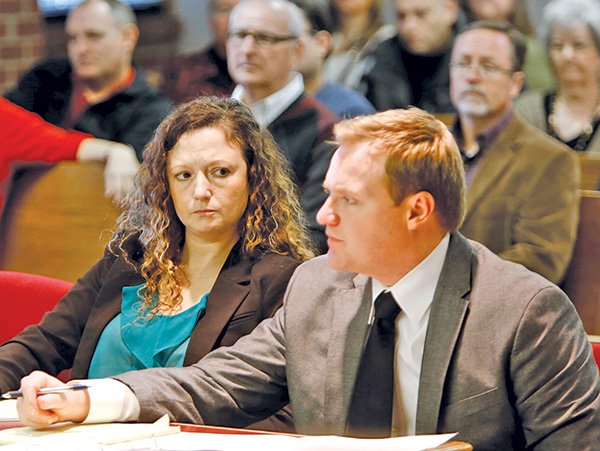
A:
(484, 347)
(522, 185)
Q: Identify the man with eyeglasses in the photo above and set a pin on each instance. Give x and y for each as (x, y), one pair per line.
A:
(263, 51)
(522, 186)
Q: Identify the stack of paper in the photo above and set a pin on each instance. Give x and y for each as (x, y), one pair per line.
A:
(187, 441)
(71, 437)
(161, 436)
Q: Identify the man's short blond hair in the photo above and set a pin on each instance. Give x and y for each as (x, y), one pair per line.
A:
(421, 153)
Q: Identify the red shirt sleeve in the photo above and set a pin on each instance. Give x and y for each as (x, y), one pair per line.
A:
(25, 136)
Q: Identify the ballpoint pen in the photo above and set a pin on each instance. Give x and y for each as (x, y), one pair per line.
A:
(46, 391)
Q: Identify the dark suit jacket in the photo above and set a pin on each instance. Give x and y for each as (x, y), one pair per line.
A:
(302, 132)
(244, 294)
(523, 203)
(506, 362)
(386, 85)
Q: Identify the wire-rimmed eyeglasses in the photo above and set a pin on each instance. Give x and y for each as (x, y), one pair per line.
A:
(487, 70)
(261, 38)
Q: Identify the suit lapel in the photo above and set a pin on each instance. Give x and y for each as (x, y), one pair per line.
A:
(230, 289)
(497, 158)
(349, 329)
(448, 310)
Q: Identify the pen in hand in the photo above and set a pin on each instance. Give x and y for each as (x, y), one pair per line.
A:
(46, 391)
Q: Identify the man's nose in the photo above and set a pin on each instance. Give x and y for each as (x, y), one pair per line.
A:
(409, 23)
(473, 72)
(77, 45)
(326, 215)
(248, 43)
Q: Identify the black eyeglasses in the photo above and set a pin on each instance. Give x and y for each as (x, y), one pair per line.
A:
(262, 39)
(487, 70)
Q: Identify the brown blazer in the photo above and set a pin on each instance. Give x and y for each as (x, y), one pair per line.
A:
(244, 294)
(523, 203)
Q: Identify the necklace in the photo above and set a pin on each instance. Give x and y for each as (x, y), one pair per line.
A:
(562, 125)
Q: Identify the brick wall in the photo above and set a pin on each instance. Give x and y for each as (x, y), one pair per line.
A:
(21, 39)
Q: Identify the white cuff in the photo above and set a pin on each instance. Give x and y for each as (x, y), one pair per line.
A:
(111, 401)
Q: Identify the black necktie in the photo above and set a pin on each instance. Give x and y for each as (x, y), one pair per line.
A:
(370, 414)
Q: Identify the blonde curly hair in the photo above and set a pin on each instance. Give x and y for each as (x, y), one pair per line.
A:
(273, 221)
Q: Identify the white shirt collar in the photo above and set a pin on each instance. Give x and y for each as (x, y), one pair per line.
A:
(270, 108)
(414, 292)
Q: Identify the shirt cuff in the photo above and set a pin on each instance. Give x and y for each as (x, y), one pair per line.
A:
(110, 401)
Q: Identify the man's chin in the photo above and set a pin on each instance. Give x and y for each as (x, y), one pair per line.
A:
(86, 74)
(334, 261)
(475, 109)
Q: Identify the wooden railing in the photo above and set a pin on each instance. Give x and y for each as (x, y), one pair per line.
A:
(589, 164)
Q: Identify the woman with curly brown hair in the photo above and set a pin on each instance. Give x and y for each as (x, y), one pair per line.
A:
(203, 252)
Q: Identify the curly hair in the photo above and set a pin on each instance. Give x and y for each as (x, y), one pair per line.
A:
(273, 221)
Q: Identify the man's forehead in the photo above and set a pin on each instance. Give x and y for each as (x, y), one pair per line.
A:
(361, 148)
(358, 158)
(95, 15)
(471, 39)
(497, 45)
(259, 16)
(405, 6)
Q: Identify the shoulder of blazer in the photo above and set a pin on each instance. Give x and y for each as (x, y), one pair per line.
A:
(242, 270)
(307, 108)
(317, 271)
(274, 262)
(519, 134)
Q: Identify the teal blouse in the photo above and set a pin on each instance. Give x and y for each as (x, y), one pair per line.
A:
(130, 342)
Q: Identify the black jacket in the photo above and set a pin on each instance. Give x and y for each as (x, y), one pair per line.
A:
(129, 116)
(303, 132)
(387, 84)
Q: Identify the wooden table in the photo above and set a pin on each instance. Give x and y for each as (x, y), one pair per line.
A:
(453, 445)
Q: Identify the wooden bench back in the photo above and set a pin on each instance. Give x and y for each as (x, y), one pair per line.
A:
(56, 220)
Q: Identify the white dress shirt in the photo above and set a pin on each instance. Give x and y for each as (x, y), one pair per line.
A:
(270, 108)
(414, 294)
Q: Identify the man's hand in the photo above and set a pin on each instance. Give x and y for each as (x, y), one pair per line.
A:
(42, 411)
(121, 166)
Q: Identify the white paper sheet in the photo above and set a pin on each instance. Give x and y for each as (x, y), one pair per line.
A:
(8, 410)
(69, 436)
(160, 436)
(188, 441)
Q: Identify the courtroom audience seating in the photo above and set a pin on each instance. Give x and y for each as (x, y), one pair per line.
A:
(56, 220)
(25, 298)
